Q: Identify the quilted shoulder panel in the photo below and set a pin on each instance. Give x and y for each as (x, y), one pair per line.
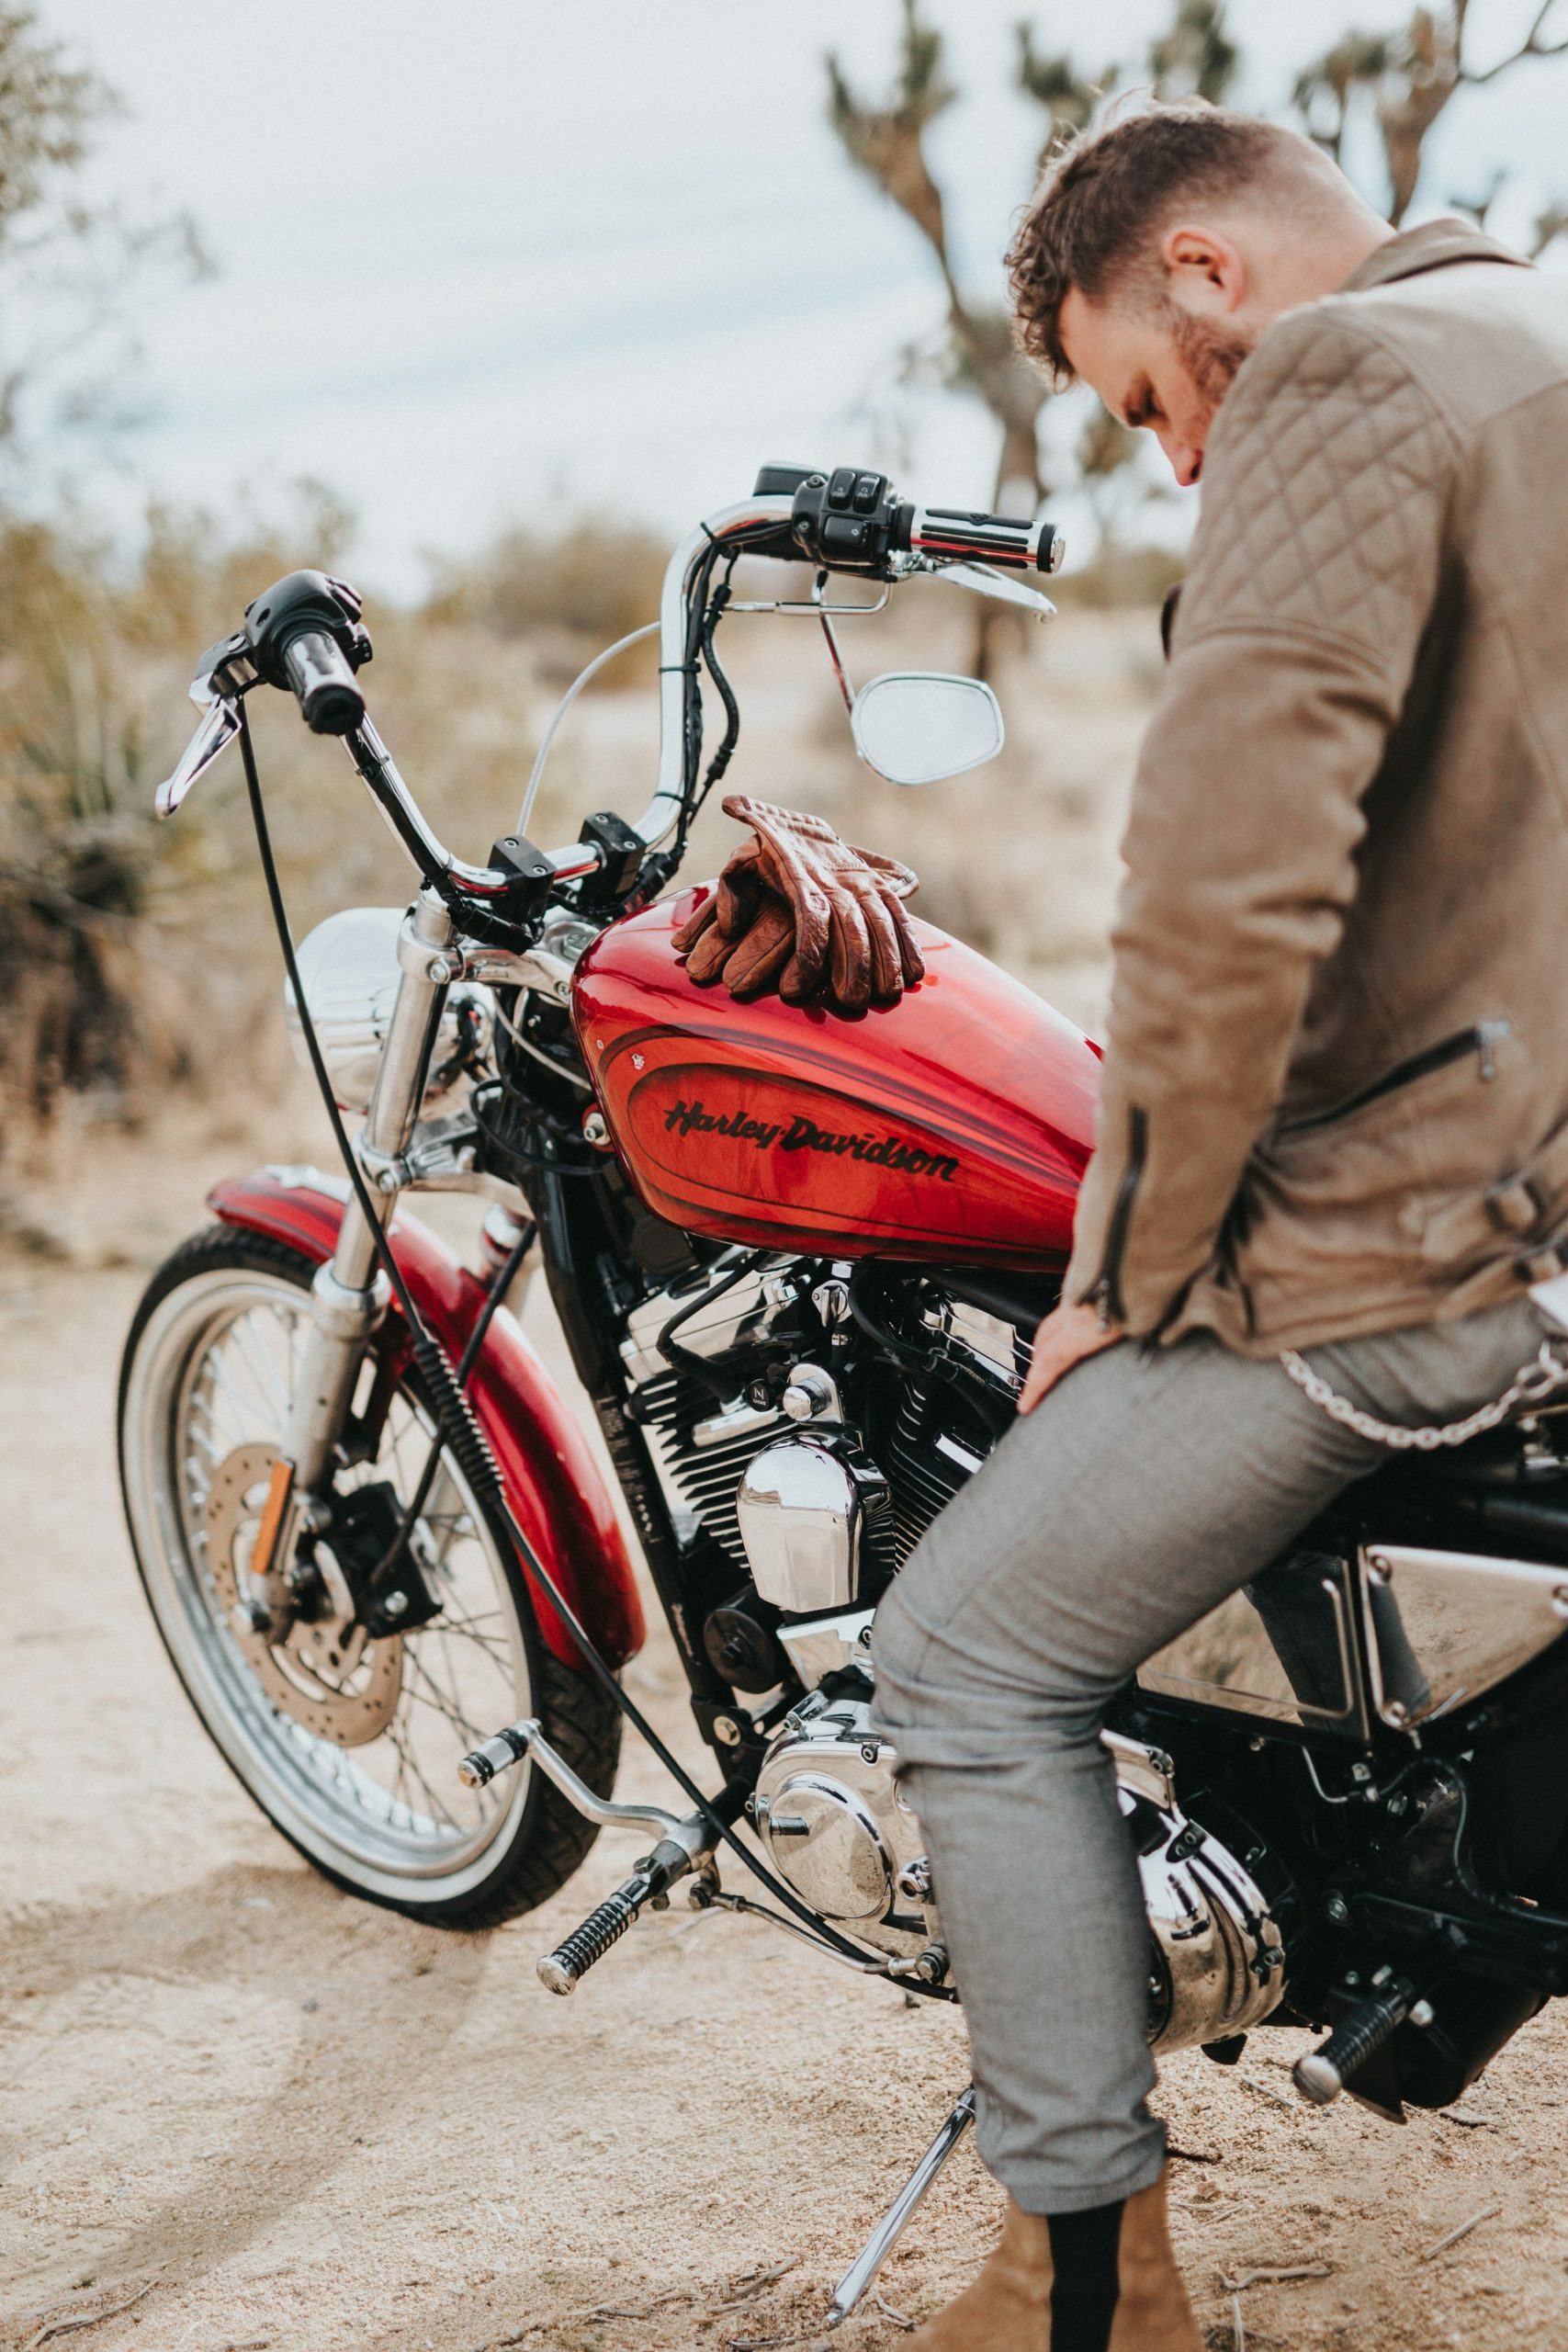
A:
(1325, 489)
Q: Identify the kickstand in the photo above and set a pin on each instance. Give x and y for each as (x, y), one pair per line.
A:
(855, 2284)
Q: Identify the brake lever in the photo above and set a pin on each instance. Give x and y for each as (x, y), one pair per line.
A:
(981, 581)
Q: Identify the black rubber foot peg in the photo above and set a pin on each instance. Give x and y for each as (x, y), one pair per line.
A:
(1322, 2074)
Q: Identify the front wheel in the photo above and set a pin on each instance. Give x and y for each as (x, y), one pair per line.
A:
(349, 1745)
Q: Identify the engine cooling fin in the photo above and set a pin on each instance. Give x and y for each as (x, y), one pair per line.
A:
(926, 1467)
(706, 1478)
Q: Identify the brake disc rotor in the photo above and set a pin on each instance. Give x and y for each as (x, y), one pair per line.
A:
(329, 1676)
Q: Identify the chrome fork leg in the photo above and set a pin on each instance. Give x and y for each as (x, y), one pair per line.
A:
(348, 1297)
(855, 2284)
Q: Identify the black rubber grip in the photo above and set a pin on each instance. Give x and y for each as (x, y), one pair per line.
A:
(1010, 542)
(1324, 2072)
(565, 1967)
(323, 685)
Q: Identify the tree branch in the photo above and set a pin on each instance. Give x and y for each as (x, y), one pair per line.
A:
(1531, 46)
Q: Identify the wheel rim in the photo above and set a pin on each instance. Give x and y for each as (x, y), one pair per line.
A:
(214, 1369)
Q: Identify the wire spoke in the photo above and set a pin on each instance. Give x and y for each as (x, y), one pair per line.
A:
(407, 1761)
(463, 1630)
(444, 1703)
(231, 1376)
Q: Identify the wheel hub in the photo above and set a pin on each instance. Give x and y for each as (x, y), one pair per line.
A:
(328, 1675)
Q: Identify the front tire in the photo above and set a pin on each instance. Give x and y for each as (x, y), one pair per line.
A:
(208, 1370)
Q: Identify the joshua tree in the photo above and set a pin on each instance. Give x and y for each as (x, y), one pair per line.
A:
(72, 844)
(885, 139)
(1406, 78)
(1410, 79)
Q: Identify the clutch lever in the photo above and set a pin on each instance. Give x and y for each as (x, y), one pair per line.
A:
(981, 581)
(225, 672)
(212, 737)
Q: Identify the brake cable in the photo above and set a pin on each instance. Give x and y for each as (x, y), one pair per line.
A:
(469, 1447)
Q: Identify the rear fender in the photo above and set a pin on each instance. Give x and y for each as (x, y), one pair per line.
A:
(553, 1484)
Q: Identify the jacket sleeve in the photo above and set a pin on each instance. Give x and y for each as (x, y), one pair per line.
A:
(1316, 568)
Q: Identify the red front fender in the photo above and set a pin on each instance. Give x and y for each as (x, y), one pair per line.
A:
(552, 1481)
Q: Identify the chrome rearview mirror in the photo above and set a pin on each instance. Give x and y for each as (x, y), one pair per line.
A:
(913, 726)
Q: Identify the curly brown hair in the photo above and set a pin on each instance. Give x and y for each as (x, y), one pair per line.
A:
(1106, 195)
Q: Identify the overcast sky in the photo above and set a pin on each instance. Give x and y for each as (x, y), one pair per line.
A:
(501, 260)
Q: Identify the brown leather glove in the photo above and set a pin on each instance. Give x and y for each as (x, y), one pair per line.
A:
(798, 908)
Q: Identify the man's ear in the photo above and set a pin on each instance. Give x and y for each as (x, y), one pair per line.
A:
(1205, 269)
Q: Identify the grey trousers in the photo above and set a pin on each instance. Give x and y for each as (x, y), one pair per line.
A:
(1149, 1485)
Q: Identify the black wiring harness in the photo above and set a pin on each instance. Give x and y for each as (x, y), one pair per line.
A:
(453, 1416)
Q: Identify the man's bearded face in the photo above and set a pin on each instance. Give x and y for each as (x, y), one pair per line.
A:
(1157, 365)
(1210, 354)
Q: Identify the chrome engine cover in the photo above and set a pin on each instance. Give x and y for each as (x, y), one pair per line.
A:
(837, 1827)
(1218, 1963)
(799, 1512)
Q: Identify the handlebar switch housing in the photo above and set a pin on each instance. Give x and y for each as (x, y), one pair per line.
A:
(846, 520)
(621, 854)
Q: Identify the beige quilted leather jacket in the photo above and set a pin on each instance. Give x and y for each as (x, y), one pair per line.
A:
(1335, 1090)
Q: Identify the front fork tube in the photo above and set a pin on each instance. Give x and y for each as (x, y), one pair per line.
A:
(349, 1295)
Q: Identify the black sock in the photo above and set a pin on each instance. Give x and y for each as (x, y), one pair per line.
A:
(1085, 2256)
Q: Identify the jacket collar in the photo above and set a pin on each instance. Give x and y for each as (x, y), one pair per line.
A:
(1435, 245)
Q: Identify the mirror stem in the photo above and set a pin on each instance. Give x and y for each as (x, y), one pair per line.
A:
(836, 656)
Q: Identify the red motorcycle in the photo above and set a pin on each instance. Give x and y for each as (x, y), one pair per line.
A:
(798, 1258)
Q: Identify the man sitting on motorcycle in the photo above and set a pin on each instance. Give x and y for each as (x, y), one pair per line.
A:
(1335, 1105)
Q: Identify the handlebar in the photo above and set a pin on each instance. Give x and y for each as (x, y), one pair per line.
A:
(854, 521)
(306, 634)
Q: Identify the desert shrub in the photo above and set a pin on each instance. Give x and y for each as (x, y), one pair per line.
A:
(99, 984)
(594, 579)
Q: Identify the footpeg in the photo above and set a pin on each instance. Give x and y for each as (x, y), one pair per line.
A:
(562, 1971)
(1322, 2074)
(480, 1767)
(684, 1844)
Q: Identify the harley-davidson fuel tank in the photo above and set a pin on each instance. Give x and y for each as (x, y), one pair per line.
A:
(951, 1127)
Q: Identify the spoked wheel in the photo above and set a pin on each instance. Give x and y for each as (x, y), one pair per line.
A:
(349, 1743)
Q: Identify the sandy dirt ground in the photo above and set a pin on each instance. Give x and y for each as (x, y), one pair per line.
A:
(240, 2109)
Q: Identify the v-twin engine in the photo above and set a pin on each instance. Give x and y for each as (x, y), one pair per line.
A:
(816, 1522)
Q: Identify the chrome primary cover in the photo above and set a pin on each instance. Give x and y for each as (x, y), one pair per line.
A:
(1218, 1962)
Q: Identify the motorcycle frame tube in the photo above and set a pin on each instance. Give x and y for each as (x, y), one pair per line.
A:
(571, 1234)
(553, 1484)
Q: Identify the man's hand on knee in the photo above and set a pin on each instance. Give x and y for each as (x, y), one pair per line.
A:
(1068, 1335)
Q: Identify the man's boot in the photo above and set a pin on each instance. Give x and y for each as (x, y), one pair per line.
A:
(1112, 2287)
(1008, 2309)
(1153, 2314)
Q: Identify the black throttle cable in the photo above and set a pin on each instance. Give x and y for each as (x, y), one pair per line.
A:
(469, 1447)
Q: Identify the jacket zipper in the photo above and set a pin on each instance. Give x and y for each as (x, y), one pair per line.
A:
(1479, 1041)
(1106, 1295)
